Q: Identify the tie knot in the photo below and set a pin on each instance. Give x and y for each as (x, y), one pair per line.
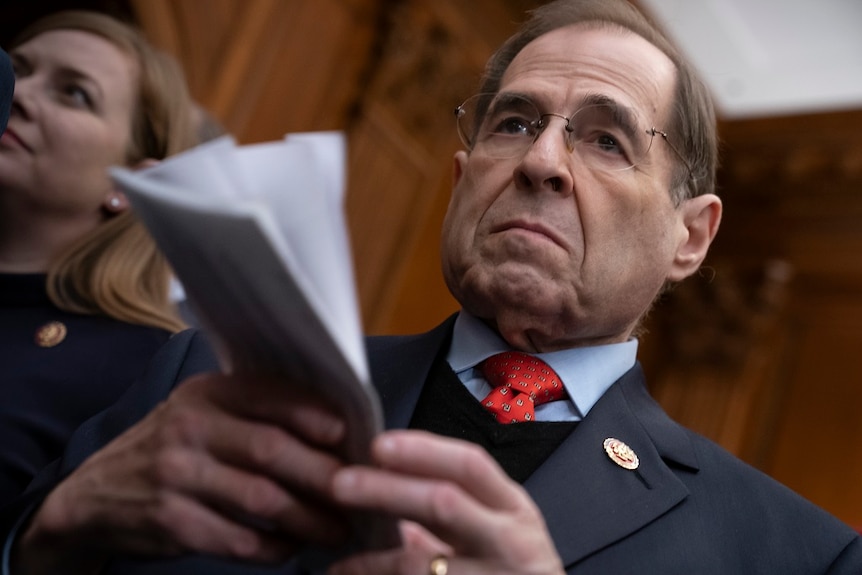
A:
(520, 381)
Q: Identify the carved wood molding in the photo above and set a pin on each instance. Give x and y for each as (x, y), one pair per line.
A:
(783, 155)
(709, 321)
(404, 136)
(722, 338)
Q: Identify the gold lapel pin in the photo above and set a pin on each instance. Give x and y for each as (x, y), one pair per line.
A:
(621, 454)
(50, 334)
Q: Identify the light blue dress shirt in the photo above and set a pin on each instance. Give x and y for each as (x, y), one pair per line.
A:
(586, 372)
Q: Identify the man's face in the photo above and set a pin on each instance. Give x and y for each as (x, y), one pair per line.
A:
(551, 251)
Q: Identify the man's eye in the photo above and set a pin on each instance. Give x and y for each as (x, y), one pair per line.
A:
(514, 126)
(608, 144)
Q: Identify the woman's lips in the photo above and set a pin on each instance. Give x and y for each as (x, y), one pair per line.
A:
(10, 136)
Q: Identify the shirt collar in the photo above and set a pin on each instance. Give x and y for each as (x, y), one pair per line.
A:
(586, 372)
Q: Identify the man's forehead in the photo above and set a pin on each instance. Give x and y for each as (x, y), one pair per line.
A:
(585, 58)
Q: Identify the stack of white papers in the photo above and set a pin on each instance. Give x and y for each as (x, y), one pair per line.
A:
(257, 237)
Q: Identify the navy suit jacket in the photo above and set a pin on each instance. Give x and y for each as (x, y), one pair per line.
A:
(7, 87)
(689, 508)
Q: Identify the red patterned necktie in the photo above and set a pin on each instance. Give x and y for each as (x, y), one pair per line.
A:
(520, 381)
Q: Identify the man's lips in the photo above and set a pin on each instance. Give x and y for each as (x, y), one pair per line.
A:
(536, 228)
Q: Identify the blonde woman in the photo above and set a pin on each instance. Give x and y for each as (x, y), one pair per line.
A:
(84, 293)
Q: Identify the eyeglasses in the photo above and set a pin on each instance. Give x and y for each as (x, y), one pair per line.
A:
(603, 133)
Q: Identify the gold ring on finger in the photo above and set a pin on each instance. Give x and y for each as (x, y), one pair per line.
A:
(439, 565)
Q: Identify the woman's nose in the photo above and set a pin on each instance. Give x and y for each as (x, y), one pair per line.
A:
(23, 97)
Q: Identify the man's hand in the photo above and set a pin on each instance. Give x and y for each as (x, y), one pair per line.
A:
(241, 469)
(459, 503)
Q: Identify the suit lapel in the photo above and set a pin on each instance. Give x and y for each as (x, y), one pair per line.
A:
(186, 353)
(588, 501)
(400, 367)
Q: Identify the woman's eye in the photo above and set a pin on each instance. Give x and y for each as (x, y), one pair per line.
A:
(19, 67)
(77, 96)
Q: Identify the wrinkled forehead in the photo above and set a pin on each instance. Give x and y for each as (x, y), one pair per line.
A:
(562, 67)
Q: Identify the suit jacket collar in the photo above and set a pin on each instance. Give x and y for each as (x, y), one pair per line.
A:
(588, 501)
(399, 367)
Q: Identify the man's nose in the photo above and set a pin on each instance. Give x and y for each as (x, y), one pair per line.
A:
(547, 162)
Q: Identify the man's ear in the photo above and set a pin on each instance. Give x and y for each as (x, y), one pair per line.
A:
(701, 216)
(459, 164)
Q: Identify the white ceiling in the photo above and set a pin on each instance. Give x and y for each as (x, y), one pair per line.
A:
(770, 57)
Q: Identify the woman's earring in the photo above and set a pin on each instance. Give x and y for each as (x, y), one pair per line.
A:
(115, 202)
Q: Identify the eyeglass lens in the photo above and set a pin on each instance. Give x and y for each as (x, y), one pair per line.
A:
(505, 125)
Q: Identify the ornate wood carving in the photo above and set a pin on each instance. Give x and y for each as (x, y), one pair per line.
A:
(718, 342)
(404, 137)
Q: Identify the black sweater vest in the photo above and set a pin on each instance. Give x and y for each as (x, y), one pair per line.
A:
(446, 407)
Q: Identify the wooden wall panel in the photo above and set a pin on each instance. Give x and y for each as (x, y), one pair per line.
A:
(197, 32)
(792, 191)
(429, 59)
(820, 425)
(267, 67)
(421, 299)
(314, 82)
(393, 180)
(713, 348)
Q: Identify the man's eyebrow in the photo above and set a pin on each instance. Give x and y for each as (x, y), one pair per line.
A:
(507, 97)
(622, 115)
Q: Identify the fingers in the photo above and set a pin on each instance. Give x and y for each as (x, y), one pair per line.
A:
(395, 563)
(267, 399)
(246, 444)
(442, 507)
(419, 547)
(251, 468)
(127, 522)
(253, 499)
(210, 470)
(460, 495)
(385, 563)
(258, 457)
(179, 523)
(463, 463)
(415, 562)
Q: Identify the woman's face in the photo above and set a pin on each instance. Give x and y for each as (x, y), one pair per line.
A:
(71, 119)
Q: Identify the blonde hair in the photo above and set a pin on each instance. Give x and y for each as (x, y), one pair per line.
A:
(116, 269)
